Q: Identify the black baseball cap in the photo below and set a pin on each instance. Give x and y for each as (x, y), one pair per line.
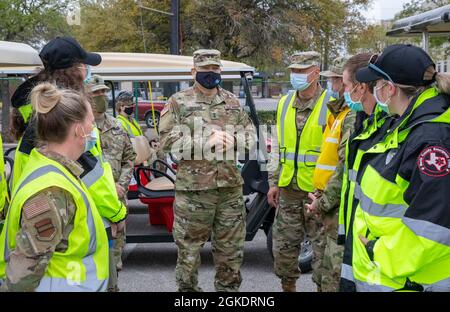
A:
(63, 52)
(400, 63)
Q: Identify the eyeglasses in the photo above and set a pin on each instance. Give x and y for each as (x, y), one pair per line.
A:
(373, 59)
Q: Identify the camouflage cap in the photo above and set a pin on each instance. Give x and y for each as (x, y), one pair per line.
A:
(97, 83)
(337, 67)
(206, 57)
(304, 60)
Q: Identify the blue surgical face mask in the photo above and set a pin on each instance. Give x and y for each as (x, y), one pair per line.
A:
(300, 81)
(383, 105)
(88, 75)
(91, 140)
(354, 106)
(334, 94)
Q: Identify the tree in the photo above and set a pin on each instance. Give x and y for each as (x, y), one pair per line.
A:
(373, 37)
(32, 21)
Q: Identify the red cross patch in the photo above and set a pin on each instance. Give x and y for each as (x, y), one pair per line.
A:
(434, 161)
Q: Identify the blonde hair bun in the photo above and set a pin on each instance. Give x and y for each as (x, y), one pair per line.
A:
(44, 97)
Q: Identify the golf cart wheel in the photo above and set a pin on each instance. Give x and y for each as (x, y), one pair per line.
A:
(149, 120)
(306, 257)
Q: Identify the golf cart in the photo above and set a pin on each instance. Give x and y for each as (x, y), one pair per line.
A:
(155, 188)
(12, 54)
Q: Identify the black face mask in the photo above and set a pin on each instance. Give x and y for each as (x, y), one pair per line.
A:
(209, 80)
(129, 110)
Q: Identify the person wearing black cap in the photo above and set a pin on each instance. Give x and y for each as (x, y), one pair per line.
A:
(401, 226)
(66, 65)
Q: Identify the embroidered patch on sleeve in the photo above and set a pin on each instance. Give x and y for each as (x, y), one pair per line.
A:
(434, 161)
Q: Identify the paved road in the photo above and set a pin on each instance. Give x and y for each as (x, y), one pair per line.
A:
(151, 267)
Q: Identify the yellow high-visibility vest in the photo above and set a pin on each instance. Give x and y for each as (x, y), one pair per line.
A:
(132, 128)
(300, 152)
(328, 159)
(84, 265)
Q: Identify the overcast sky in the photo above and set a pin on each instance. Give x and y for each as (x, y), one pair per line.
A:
(384, 9)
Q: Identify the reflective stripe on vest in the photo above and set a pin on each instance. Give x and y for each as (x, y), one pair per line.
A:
(428, 230)
(94, 175)
(378, 210)
(371, 287)
(329, 157)
(309, 144)
(52, 282)
(347, 272)
(352, 175)
(381, 213)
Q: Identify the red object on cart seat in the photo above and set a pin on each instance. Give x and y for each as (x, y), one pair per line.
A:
(160, 211)
(159, 197)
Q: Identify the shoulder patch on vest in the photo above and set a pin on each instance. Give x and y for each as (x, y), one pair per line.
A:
(434, 161)
(45, 229)
(36, 206)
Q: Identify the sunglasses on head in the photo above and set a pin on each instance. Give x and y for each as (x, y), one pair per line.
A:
(373, 59)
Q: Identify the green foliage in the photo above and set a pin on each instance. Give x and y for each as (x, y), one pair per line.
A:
(259, 32)
(373, 37)
(32, 22)
(267, 117)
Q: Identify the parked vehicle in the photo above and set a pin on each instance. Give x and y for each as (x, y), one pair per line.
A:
(155, 188)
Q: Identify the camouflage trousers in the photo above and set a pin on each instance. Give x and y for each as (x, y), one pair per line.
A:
(199, 215)
(113, 285)
(290, 226)
(331, 265)
(119, 244)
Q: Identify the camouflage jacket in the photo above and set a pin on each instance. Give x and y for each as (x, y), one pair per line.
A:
(117, 150)
(330, 198)
(304, 110)
(192, 111)
(28, 261)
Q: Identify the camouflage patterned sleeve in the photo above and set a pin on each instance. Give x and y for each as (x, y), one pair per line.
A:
(128, 159)
(331, 197)
(169, 118)
(44, 227)
(273, 166)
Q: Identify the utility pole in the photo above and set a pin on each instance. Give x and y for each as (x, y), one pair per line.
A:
(174, 36)
(175, 28)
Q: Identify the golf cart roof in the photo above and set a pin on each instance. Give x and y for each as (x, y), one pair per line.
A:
(14, 54)
(143, 67)
(435, 22)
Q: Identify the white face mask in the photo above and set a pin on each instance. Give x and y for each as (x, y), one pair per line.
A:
(90, 140)
(383, 105)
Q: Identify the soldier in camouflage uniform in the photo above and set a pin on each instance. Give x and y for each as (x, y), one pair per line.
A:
(119, 153)
(33, 249)
(208, 192)
(326, 201)
(48, 218)
(291, 220)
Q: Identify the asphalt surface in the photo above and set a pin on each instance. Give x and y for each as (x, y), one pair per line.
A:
(151, 268)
